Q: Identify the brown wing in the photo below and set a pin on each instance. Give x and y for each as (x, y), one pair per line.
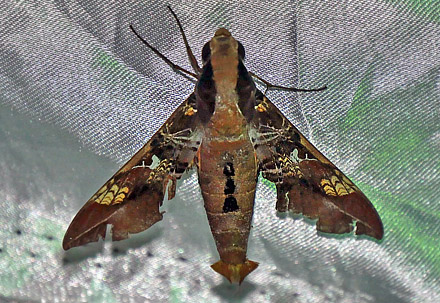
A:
(130, 200)
(306, 181)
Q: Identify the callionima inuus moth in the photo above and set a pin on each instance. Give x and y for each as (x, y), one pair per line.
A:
(231, 133)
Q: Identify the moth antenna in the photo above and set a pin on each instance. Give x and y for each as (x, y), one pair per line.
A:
(192, 58)
(293, 89)
(167, 61)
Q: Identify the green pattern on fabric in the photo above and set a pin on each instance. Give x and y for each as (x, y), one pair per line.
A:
(427, 9)
(402, 152)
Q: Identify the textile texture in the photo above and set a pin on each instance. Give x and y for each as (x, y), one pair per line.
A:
(79, 94)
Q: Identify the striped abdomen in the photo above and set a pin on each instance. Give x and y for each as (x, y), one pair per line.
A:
(227, 176)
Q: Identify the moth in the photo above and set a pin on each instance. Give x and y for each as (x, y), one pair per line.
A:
(231, 133)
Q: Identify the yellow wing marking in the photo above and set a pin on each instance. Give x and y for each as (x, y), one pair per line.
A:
(328, 187)
(189, 110)
(293, 168)
(121, 195)
(160, 171)
(261, 108)
(114, 195)
(338, 185)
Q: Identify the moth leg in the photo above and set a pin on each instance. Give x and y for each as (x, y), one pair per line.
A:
(293, 89)
(178, 138)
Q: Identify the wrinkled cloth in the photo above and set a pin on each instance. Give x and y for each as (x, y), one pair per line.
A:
(79, 94)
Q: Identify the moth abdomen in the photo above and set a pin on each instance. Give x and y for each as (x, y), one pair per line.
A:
(227, 177)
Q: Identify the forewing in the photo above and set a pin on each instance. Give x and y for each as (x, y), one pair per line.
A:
(130, 200)
(306, 181)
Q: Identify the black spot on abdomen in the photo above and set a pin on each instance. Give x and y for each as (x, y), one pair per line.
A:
(228, 169)
(230, 201)
(230, 204)
(229, 187)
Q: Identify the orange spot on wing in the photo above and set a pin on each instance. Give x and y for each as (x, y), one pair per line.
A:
(260, 107)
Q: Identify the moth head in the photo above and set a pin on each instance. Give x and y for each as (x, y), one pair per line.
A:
(222, 44)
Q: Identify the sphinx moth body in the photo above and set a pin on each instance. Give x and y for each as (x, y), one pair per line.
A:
(230, 132)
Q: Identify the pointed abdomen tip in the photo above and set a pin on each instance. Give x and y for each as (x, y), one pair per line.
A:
(235, 273)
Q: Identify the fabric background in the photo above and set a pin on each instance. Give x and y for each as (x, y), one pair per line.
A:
(79, 94)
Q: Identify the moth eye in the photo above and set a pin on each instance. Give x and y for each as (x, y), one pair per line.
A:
(206, 52)
(241, 52)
